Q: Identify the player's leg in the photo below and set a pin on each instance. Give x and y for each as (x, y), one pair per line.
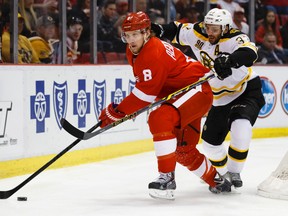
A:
(241, 133)
(162, 122)
(188, 135)
(243, 115)
(214, 132)
(188, 155)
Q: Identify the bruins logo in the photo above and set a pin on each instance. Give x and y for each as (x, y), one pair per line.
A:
(206, 60)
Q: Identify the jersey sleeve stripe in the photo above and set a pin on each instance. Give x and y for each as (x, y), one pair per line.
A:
(186, 96)
(142, 96)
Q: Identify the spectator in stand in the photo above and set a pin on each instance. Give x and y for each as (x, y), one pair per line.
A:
(242, 3)
(268, 53)
(180, 6)
(229, 5)
(279, 6)
(213, 3)
(269, 24)
(43, 42)
(239, 20)
(82, 10)
(122, 10)
(156, 8)
(46, 6)
(284, 34)
(26, 53)
(74, 31)
(108, 28)
(260, 11)
(122, 7)
(83, 7)
(50, 7)
(191, 15)
(73, 2)
(141, 5)
(26, 9)
(245, 4)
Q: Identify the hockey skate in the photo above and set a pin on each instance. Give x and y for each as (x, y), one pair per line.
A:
(163, 187)
(222, 184)
(235, 179)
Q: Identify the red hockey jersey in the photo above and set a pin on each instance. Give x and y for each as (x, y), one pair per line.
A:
(159, 69)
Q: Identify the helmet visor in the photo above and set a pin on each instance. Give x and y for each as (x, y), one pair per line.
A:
(132, 36)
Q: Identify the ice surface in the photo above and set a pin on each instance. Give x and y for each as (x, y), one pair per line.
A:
(119, 187)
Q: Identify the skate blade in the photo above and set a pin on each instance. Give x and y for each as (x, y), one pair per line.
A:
(162, 194)
(202, 181)
(234, 191)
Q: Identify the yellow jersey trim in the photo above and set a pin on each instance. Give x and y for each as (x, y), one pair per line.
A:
(236, 88)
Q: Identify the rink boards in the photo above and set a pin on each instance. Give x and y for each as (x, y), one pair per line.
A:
(33, 99)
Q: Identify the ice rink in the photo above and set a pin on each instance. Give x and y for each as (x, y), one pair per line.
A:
(119, 187)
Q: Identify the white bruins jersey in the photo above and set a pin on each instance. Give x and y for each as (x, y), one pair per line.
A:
(227, 90)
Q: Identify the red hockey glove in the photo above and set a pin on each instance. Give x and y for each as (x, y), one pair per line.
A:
(110, 115)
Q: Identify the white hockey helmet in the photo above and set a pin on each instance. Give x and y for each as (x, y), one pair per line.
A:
(218, 16)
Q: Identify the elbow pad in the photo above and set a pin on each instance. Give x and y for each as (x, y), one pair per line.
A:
(243, 56)
(170, 30)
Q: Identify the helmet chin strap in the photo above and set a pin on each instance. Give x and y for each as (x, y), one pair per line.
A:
(224, 30)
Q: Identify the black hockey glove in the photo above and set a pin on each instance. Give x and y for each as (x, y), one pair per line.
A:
(157, 29)
(223, 65)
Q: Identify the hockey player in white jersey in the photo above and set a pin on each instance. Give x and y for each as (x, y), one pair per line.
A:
(236, 90)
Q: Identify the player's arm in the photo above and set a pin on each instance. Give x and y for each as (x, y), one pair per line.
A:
(143, 94)
(115, 112)
(244, 55)
(168, 31)
(145, 91)
(135, 101)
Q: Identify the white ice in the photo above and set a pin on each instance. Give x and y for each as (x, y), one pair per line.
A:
(119, 187)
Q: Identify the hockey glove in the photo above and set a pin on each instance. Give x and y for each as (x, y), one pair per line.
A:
(157, 30)
(223, 65)
(110, 115)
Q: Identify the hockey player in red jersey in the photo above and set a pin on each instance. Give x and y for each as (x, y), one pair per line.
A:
(159, 70)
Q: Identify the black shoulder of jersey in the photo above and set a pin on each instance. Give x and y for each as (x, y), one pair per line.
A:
(232, 33)
(199, 28)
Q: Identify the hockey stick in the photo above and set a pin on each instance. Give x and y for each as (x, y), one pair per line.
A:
(7, 194)
(85, 136)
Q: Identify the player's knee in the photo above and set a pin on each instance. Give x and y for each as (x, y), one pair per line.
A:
(241, 131)
(213, 151)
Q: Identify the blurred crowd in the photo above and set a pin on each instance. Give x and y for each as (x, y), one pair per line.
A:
(39, 39)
